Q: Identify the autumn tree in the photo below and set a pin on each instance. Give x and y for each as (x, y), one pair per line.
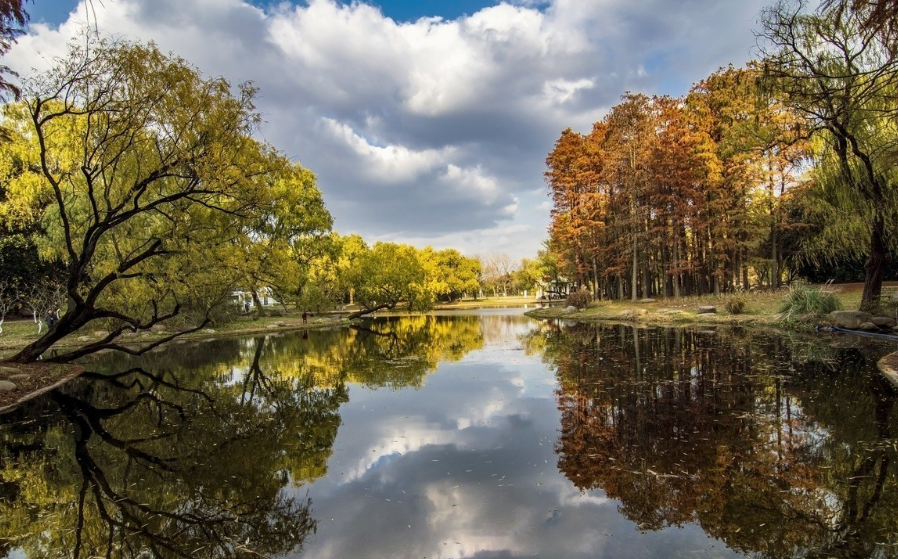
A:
(670, 196)
(577, 220)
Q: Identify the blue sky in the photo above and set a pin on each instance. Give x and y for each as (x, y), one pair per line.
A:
(56, 11)
(426, 131)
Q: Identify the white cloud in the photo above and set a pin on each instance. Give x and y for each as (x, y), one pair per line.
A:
(388, 164)
(435, 129)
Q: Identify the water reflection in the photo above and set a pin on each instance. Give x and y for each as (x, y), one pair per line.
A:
(143, 464)
(188, 452)
(484, 435)
(775, 449)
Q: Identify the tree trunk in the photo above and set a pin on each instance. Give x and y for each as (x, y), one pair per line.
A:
(774, 257)
(362, 312)
(258, 303)
(647, 281)
(597, 286)
(635, 274)
(676, 265)
(874, 268)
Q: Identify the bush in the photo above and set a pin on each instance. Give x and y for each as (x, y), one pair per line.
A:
(735, 305)
(809, 300)
(580, 299)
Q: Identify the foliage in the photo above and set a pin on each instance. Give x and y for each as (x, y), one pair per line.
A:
(677, 196)
(450, 274)
(385, 276)
(580, 299)
(143, 177)
(841, 74)
(735, 305)
(12, 19)
(804, 300)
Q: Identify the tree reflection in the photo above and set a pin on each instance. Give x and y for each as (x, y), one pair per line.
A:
(192, 451)
(401, 352)
(165, 464)
(774, 454)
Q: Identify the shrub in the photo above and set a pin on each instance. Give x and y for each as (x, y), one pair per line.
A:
(580, 299)
(735, 305)
(805, 300)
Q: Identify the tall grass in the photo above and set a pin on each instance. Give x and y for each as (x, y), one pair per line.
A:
(804, 300)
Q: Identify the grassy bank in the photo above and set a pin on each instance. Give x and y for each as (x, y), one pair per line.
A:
(18, 333)
(761, 309)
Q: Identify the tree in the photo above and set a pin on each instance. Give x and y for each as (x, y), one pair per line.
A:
(841, 74)
(145, 173)
(496, 270)
(385, 276)
(876, 15)
(12, 19)
(277, 251)
(450, 275)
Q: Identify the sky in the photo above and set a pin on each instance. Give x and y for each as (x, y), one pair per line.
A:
(426, 122)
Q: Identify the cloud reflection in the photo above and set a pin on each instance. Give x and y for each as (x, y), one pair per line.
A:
(465, 467)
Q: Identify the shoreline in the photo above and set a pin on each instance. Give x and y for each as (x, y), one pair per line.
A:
(33, 379)
(20, 382)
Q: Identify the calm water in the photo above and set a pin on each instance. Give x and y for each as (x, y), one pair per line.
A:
(462, 436)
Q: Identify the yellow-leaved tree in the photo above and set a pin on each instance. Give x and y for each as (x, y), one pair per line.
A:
(148, 185)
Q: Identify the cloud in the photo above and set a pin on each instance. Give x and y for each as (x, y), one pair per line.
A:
(436, 129)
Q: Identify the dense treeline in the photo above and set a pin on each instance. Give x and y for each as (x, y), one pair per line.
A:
(756, 174)
(680, 196)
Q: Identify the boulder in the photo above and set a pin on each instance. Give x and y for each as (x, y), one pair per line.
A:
(848, 319)
(6, 386)
(569, 310)
(100, 333)
(208, 331)
(884, 321)
(10, 370)
(647, 300)
(868, 327)
(707, 309)
(157, 329)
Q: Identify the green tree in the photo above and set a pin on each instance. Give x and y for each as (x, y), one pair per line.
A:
(388, 275)
(12, 19)
(841, 74)
(279, 250)
(450, 274)
(145, 175)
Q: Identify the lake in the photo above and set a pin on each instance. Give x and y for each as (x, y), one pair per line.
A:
(482, 435)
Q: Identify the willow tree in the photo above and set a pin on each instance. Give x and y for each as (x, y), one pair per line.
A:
(841, 74)
(388, 275)
(144, 174)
